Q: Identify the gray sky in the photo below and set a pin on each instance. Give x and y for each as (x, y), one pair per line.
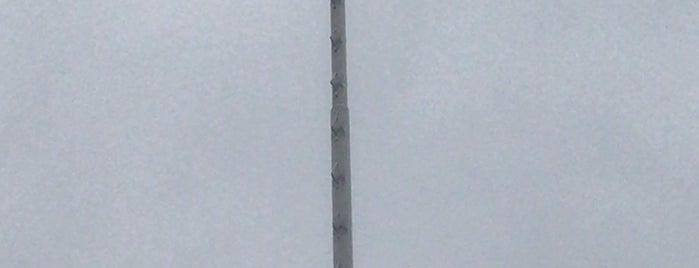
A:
(484, 133)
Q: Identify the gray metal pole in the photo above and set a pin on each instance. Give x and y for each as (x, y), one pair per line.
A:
(340, 143)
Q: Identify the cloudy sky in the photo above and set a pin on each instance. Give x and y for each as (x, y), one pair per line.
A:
(533, 133)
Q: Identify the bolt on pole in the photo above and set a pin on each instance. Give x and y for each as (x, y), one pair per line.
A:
(340, 141)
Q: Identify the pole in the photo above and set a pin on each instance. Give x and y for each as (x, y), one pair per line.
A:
(340, 143)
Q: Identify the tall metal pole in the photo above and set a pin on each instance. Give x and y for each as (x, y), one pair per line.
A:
(340, 141)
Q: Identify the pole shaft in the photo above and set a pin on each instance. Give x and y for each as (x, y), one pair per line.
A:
(340, 143)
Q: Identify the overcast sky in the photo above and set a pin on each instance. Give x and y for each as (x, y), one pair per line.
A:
(485, 133)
